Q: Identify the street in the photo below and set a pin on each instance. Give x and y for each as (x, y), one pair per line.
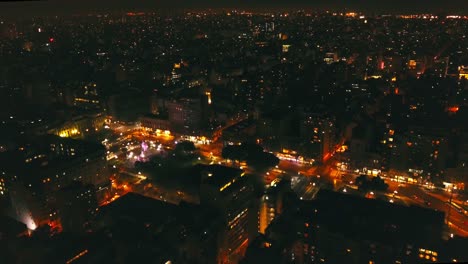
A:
(307, 179)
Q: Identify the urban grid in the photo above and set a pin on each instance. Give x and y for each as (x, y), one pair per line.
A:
(234, 136)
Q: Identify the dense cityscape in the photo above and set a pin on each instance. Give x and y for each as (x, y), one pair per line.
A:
(232, 136)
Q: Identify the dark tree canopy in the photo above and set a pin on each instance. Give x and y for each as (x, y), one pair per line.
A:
(253, 154)
(185, 146)
(366, 184)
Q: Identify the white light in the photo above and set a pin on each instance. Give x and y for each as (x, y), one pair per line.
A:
(27, 219)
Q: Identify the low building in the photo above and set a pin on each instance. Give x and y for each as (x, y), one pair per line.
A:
(153, 122)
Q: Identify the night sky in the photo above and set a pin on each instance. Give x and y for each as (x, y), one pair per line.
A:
(375, 6)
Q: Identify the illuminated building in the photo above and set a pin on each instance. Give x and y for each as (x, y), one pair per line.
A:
(320, 131)
(238, 132)
(80, 126)
(153, 122)
(186, 115)
(272, 203)
(3, 189)
(412, 65)
(440, 66)
(154, 105)
(87, 97)
(463, 72)
(425, 151)
(175, 76)
(330, 57)
(273, 124)
(34, 174)
(76, 204)
(417, 65)
(228, 191)
(152, 229)
(340, 228)
(270, 26)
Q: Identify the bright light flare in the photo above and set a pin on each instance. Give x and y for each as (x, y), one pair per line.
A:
(29, 222)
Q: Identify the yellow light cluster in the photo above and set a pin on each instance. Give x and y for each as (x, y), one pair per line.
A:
(69, 132)
(209, 97)
(84, 100)
(226, 185)
(373, 77)
(229, 183)
(427, 254)
(82, 253)
(165, 133)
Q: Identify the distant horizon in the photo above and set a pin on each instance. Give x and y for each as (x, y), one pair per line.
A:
(378, 7)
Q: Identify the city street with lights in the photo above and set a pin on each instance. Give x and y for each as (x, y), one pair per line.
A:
(131, 137)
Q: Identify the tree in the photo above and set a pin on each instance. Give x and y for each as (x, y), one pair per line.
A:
(362, 182)
(366, 184)
(253, 154)
(262, 160)
(378, 184)
(185, 146)
(251, 148)
(234, 153)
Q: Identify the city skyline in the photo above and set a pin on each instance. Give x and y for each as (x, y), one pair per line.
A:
(233, 136)
(455, 7)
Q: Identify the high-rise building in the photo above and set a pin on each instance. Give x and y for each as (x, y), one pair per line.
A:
(187, 115)
(339, 228)
(272, 203)
(87, 97)
(319, 130)
(425, 152)
(33, 174)
(75, 204)
(228, 191)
